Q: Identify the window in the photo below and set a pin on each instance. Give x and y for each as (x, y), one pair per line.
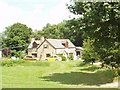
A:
(78, 53)
(34, 45)
(45, 46)
(34, 54)
(55, 56)
(63, 44)
(29, 56)
(48, 55)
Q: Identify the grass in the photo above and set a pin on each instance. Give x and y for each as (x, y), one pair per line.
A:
(43, 74)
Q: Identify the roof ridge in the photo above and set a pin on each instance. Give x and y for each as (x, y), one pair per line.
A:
(60, 39)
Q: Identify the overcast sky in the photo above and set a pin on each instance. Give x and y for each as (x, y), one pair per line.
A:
(33, 13)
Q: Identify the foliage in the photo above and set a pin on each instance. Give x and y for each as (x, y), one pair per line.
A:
(72, 31)
(88, 53)
(17, 38)
(20, 54)
(37, 34)
(100, 22)
(71, 57)
(49, 31)
(9, 63)
(1, 40)
(63, 30)
(115, 73)
(63, 57)
(52, 31)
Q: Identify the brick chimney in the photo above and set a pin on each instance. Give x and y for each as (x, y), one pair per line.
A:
(66, 44)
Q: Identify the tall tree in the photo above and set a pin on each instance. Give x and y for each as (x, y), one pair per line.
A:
(73, 32)
(53, 31)
(1, 40)
(17, 37)
(65, 29)
(101, 22)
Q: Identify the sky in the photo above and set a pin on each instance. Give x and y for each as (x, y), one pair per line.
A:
(34, 13)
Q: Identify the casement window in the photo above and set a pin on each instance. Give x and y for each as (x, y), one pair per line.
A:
(34, 54)
(48, 55)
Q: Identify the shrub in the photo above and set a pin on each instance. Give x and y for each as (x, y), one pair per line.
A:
(113, 64)
(63, 57)
(88, 53)
(115, 72)
(71, 57)
(9, 63)
(20, 54)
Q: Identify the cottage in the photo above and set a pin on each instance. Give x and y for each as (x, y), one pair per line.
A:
(52, 47)
(45, 48)
(32, 48)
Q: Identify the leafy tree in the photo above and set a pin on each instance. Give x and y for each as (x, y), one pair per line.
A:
(37, 34)
(17, 37)
(52, 31)
(63, 30)
(1, 40)
(88, 53)
(101, 22)
(72, 31)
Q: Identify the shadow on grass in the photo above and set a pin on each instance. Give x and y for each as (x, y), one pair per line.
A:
(91, 68)
(75, 78)
(82, 64)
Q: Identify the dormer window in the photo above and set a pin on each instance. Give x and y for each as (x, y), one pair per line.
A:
(34, 45)
(65, 44)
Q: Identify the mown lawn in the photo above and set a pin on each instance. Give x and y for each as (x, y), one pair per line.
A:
(43, 74)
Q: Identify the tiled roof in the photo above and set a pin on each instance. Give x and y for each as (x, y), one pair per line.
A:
(79, 48)
(31, 44)
(57, 43)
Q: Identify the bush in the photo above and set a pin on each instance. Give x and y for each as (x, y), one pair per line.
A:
(88, 53)
(20, 54)
(9, 63)
(63, 57)
(71, 57)
(113, 64)
(115, 72)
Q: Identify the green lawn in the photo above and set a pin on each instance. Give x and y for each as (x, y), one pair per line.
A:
(41, 74)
